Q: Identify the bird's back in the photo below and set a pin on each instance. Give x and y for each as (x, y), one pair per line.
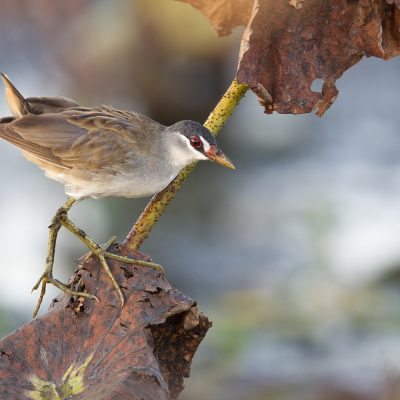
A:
(99, 151)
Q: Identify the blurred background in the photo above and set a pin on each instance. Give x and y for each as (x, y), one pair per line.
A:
(295, 256)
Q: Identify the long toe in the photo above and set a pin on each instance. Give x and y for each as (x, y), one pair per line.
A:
(47, 278)
(41, 279)
(129, 260)
(99, 252)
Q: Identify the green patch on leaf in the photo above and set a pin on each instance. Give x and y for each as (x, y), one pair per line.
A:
(70, 384)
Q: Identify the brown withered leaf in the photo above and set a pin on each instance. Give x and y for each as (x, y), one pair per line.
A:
(82, 349)
(397, 2)
(224, 15)
(296, 3)
(290, 43)
(284, 50)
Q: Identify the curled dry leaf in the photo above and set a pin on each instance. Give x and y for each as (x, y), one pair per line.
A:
(396, 2)
(283, 49)
(87, 350)
(296, 3)
(224, 15)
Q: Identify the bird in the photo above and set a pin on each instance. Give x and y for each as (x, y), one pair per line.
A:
(98, 152)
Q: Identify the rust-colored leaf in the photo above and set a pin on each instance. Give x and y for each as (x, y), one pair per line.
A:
(224, 15)
(290, 43)
(89, 350)
(296, 3)
(285, 49)
(396, 2)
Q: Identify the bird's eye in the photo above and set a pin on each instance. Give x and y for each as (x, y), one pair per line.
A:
(195, 142)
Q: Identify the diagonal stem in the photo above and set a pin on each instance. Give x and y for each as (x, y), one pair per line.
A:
(216, 120)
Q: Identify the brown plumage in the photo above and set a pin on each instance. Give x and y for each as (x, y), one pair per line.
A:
(97, 152)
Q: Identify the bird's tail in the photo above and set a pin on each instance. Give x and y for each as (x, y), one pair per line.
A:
(16, 102)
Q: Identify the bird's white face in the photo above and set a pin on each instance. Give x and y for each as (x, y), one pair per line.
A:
(182, 153)
(208, 151)
(184, 150)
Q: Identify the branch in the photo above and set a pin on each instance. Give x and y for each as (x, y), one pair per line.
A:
(216, 120)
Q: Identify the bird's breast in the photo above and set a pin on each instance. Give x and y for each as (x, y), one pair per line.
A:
(115, 185)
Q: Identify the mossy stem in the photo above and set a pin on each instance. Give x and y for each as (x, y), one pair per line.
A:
(149, 217)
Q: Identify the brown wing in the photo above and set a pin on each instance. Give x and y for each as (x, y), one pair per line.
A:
(55, 104)
(27, 133)
(82, 138)
(20, 106)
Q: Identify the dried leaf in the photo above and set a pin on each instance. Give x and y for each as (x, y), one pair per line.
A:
(284, 50)
(296, 3)
(396, 2)
(224, 15)
(82, 349)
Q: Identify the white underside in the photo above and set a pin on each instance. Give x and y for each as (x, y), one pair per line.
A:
(119, 185)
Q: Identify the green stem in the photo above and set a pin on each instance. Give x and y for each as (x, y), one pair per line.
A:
(216, 120)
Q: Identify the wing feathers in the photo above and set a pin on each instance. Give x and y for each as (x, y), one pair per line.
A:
(80, 138)
(55, 104)
(57, 131)
(28, 147)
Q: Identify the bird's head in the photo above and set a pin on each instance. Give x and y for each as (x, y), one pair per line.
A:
(199, 141)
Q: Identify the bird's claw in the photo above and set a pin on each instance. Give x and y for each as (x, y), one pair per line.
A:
(100, 251)
(48, 278)
(129, 260)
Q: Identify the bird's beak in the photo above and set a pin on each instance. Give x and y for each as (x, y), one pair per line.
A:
(215, 154)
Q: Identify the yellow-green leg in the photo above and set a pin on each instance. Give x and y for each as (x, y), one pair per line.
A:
(61, 219)
(101, 253)
(47, 276)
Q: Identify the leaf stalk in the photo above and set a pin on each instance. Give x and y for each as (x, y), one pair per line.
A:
(149, 217)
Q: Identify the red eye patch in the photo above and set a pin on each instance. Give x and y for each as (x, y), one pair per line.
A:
(195, 141)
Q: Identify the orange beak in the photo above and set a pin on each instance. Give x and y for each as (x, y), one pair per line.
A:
(215, 154)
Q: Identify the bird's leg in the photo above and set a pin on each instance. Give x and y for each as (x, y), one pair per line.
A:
(124, 259)
(101, 253)
(47, 276)
(94, 248)
(61, 219)
(129, 260)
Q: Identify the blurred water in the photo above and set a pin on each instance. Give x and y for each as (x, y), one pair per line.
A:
(290, 254)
